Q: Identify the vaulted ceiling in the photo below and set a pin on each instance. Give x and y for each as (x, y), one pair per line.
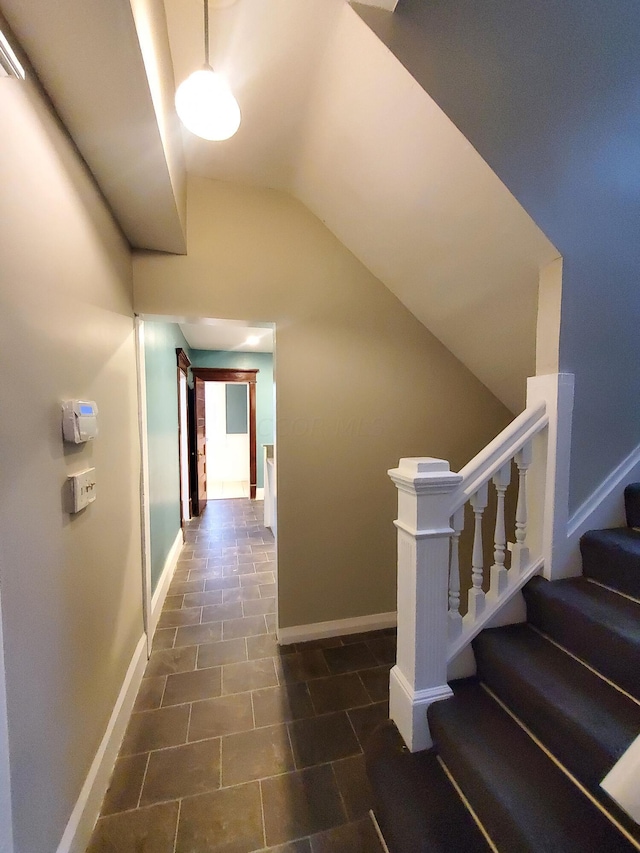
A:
(328, 115)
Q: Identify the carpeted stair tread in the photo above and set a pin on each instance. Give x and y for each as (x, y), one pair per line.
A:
(632, 504)
(598, 626)
(584, 722)
(416, 806)
(524, 801)
(612, 557)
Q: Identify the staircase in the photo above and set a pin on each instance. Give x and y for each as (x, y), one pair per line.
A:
(521, 748)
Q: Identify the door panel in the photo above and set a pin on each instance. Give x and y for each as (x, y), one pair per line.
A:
(201, 437)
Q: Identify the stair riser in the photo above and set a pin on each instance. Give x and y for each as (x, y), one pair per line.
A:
(584, 722)
(612, 557)
(632, 504)
(402, 783)
(613, 654)
(523, 800)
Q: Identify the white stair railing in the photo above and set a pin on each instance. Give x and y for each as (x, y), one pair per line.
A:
(431, 509)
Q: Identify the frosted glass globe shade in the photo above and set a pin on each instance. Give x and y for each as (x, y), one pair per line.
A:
(206, 106)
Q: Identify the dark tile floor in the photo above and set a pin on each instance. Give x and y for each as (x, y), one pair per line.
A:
(236, 744)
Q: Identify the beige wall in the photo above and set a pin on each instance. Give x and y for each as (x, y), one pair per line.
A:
(71, 586)
(359, 383)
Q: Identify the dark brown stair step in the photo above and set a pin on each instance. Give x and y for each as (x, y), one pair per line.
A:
(582, 720)
(632, 504)
(524, 801)
(417, 808)
(599, 626)
(612, 557)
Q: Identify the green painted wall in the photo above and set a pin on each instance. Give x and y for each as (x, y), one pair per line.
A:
(263, 361)
(160, 342)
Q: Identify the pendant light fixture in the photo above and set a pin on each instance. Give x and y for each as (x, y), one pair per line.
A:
(204, 101)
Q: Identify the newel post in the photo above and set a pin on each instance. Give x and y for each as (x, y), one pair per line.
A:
(419, 677)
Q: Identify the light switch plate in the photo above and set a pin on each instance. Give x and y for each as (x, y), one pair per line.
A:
(83, 489)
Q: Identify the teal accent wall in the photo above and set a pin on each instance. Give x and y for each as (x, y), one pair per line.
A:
(265, 392)
(160, 343)
(237, 409)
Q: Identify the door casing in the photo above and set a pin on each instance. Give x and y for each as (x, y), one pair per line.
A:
(223, 374)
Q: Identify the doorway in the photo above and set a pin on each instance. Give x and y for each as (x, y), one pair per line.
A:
(225, 446)
(227, 439)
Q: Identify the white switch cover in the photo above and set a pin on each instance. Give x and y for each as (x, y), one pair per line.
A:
(83, 489)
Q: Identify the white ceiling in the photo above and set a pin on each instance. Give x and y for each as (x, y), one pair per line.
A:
(227, 336)
(106, 68)
(269, 52)
(328, 115)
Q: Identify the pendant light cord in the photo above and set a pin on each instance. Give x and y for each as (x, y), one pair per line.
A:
(206, 34)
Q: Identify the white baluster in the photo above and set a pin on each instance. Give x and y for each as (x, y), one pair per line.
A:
(476, 595)
(499, 575)
(520, 551)
(455, 619)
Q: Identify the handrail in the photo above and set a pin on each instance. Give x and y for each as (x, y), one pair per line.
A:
(498, 452)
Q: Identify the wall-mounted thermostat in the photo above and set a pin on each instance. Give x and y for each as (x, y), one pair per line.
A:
(79, 421)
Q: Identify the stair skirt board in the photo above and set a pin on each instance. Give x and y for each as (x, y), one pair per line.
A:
(604, 507)
(336, 628)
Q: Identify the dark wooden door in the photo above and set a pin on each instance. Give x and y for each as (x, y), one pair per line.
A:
(201, 437)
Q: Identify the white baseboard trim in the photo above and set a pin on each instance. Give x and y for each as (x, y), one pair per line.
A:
(87, 808)
(605, 506)
(259, 494)
(6, 821)
(157, 600)
(320, 630)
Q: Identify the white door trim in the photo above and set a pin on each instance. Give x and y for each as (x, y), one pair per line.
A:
(6, 828)
(144, 482)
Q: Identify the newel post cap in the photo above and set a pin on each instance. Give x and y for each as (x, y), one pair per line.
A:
(418, 466)
(424, 474)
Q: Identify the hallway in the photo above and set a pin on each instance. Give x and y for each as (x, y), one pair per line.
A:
(236, 744)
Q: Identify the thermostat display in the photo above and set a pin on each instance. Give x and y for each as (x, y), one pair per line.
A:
(79, 421)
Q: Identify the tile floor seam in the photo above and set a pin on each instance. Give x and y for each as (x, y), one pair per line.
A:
(353, 728)
(253, 710)
(264, 823)
(339, 789)
(144, 778)
(175, 837)
(293, 752)
(264, 778)
(189, 720)
(164, 690)
(313, 704)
